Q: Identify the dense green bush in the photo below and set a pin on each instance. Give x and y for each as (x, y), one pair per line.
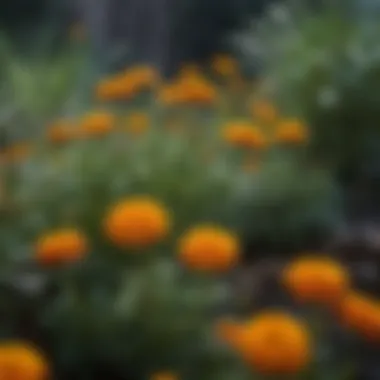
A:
(324, 65)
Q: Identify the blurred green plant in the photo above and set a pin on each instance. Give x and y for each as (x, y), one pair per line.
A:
(131, 315)
(36, 89)
(323, 63)
(288, 206)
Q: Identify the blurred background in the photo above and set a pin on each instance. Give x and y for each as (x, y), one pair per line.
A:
(189, 189)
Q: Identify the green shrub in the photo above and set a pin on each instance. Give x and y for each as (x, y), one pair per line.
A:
(324, 66)
(127, 314)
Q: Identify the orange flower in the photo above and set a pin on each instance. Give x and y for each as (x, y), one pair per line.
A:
(137, 123)
(113, 89)
(244, 135)
(188, 90)
(316, 279)
(164, 376)
(209, 248)
(275, 343)
(61, 246)
(127, 84)
(264, 111)
(225, 65)
(97, 124)
(61, 132)
(137, 222)
(362, 314)
(19, 361)
(291, 132)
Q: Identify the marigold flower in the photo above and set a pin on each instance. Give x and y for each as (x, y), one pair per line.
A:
(225, 65)
(264, 111)
(362, 314)
(61, 246)
(126, 85)
(97, 124)
(209, 248)
(188, 90)
(275, 343)
(19, 361)
(137, 123)
(291, 132)
(316, 279)
(137, 222)
(244, 135)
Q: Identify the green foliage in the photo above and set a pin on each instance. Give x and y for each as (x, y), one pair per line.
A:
(132, 314)
(33, 91)
(289, 205)
(324, 66)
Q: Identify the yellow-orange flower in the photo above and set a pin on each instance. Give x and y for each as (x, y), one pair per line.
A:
(316, 279)
(244, 135)
(61, 132)
(125, 85)
(291, 132)
(275, 343)
(97, 124)
(137, 222)
(61, 246)
(209, 248)
(137, 123)
(188, 90)
(264, 111)
(20, 361)
(362, 314)
(164, 376)
(225, 65)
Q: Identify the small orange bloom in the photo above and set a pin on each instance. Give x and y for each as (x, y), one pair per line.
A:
(264, 111)
(275, 343)
(291, 132)
(244, 135)
(126, 85)
(61, 246)
(137, 123)
(209, 248)
(137, 222)
(19, 361)
(316, 279)
(97, 124)
(362, 314)
(188, 90)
